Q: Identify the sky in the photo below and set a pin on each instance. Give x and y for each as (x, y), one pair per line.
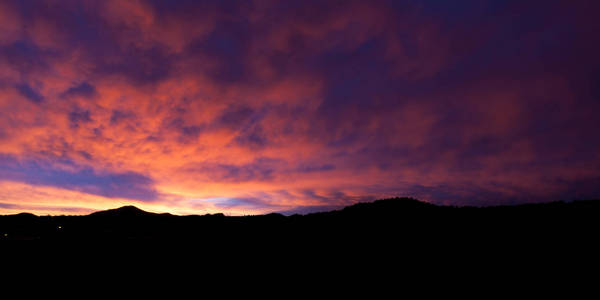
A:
(250, 107)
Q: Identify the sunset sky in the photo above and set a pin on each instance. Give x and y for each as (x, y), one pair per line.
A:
(248, 107)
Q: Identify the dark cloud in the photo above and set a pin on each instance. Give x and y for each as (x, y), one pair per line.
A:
(78, 116)
(185, 131)
(26, 91)
(84, 90)
(237, 116)
(262, 169)
(17, 207)
(228, 48)
(127, 185)
(118, 116)
(141, 66)
(253, 137)
(8, 206)
(309, 168)
(579, 189)
(192, 131)
(25, 57)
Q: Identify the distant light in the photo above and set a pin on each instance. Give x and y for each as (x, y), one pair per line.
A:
(59, 227)
(6, 234)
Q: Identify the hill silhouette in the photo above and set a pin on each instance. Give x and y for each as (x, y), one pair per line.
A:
(382, 221)
(124, 211)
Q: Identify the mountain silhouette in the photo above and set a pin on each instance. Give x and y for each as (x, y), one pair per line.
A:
(388, 221)
(122, 212)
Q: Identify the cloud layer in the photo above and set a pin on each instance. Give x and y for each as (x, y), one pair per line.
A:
(259, 106)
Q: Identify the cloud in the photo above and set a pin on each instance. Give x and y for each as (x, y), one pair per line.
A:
(296, 106)
(262, 169)
(47, 209)
(315, 168)
(26, 91)
(83, 89)
(117, 116)
(112, 185)
(79, 116)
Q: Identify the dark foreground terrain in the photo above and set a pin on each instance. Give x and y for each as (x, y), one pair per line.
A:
(391, 221)
(377, 242)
